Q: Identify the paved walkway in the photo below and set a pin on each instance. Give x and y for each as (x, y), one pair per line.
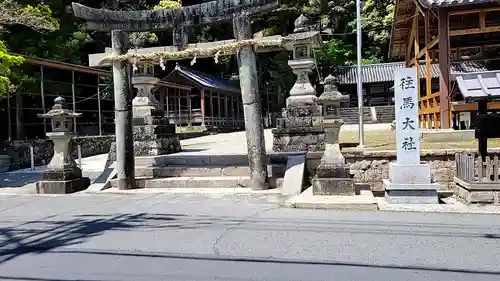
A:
(236, 142)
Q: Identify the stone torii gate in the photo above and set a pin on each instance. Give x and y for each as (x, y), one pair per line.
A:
(120, 22)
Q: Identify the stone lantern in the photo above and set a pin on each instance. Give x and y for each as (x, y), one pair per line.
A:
(332, 175)
(62, 174)
(331, 97)
(144, 81)
(301, 43)
(299, 128)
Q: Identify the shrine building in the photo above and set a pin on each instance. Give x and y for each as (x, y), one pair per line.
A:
(443, 38)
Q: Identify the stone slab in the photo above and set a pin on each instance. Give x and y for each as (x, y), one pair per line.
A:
(306, 200)
(478, 196)
(333, 186)
(62, 187)
(333, 170)
(103, 180)
(409, 173)
(411, 193)
(294, 175)
(388, 185)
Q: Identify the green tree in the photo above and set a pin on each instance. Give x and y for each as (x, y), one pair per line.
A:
(34, 17)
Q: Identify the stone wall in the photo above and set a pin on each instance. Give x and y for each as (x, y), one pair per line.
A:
(19, 150)
(373, 166)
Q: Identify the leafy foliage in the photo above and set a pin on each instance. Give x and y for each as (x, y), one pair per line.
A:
(72, 42)
(37, 17)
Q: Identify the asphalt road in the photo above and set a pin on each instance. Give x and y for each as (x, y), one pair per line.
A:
(235, 237)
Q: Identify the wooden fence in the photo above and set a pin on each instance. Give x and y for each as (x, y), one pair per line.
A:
(471, 168)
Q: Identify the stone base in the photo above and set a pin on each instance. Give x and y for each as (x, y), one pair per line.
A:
(411, 193)
(477, 193)
(306, 200)
(62, 187)
(299, 139)
(409, 173)
(300, 129)
(63, 175)
(333, 186)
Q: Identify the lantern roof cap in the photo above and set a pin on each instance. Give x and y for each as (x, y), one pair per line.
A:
(59, 109)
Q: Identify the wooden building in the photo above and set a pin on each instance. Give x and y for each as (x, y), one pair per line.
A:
(204, 100)
(189, 97)
(378, 79)
(445, 32)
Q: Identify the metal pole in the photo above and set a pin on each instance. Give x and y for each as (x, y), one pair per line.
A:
(99, 103)
(360, 78)
(123, 113)
(42, 94)
(32, 158)
(9, 120)
(73, 97)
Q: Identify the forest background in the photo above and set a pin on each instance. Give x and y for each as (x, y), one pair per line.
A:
(47, 29)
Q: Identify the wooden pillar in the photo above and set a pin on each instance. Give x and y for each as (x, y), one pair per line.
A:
(42, 94)
(210, 104)
(167, 104)
(202, 107)
(162, 97)
(416, 44)
(179, 112)
(444, 67)
(19, 116)
(238, 109)
(232, 107)
(99, 110)
(73, 97)
(190, 123)
(428, 78)
(482, 108)
(226, 108)
(218, 106)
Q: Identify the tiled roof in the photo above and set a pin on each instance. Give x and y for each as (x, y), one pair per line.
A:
(207, 80)
(453, 3)
(479, 85)
(384, 72)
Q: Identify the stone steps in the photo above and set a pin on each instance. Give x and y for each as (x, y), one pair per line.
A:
(205, 171)
(199, 182)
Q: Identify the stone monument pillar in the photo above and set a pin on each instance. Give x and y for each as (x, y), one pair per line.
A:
(153, 135)
(409, 179)
(300, 127)
(332, 175)
(62, 175)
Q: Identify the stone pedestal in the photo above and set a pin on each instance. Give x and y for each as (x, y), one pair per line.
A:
(153, 135)
(332, 175)
(410, 184)
(302, 92)
(63, 175)
(300, 129)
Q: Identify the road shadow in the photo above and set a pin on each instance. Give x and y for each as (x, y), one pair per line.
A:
(42, 236)
(19, 179)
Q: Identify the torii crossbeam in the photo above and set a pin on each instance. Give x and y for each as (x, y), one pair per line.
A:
(144, 20)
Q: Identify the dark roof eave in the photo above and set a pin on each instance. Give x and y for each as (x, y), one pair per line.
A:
(186, 74)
